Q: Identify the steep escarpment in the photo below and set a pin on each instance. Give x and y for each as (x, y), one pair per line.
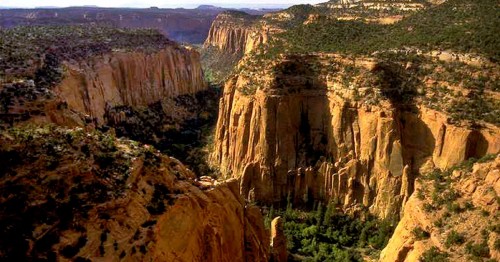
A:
(452, 216)
(130, 79)
(230, 32)
(232, 35)
(145, 86)
(91, 69)
(336, 110)
(114, 199)
(323, 127)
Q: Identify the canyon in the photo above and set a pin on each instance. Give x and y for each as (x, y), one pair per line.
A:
(306, 137)
(346, 149)
(181, 25)
(130, 79)
(306, 128)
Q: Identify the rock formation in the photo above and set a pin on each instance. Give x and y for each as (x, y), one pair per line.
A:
(133, 79)
(236, 33)
(474, 211)
(181, 25)
(303, 134)
(278, 241)
(123, 202)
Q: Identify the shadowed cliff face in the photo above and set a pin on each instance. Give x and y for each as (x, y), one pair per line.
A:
(181, 126)
(303, 134)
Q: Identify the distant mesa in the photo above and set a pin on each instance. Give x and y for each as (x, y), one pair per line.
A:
(209, 7)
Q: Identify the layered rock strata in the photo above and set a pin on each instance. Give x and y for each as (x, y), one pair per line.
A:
(302, 134)
(236, 33)
(130, 78)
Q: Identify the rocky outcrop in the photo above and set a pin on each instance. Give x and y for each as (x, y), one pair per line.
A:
(130, 78)
(211, 226)
(305, 135)
(278, 241)
(405, 5)
(475, 212)
(123, 201)
(235, 33)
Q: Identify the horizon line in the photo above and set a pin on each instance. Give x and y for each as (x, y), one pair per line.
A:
(194, 6)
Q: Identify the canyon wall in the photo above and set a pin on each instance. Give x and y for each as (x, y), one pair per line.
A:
(130, 78)
(479, 189)
(236, 33)
(303, 136)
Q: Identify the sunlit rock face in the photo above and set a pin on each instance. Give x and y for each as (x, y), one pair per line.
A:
(290, 132)
(133, 79)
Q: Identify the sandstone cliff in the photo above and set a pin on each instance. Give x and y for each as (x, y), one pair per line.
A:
(299, 128)
(94, 197)
(236, 33)
(457, 217)
(130, 78)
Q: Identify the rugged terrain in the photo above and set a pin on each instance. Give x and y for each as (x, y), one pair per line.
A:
(94, 196)
(100, 196)
(452, 215)
(298, 128)
(95, 79)
(182, 25)
(352, 102)
(345, 131)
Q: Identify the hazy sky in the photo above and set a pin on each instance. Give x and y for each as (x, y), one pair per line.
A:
(149, 3)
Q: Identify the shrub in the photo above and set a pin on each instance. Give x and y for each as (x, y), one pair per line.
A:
(420, 234)
(454, 207)
(439, 222)
(325, 235)
(434, 255)
(478, 250)
(454, 238)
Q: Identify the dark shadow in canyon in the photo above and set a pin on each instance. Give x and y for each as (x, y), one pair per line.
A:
(301, 87)
(299, 78)
(180, 127)
(399, 85)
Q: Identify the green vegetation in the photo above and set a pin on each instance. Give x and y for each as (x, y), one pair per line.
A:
(475, 106)
(454, 238)
(51, 178)
(325, 234)
(458, 25)
(420, 234)
(434, 255)
(218, 65)
(478, 250)
(442, 191)
(297, 15)
(159, 125)
(23, 49)
(496, 245)
(244, 18)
